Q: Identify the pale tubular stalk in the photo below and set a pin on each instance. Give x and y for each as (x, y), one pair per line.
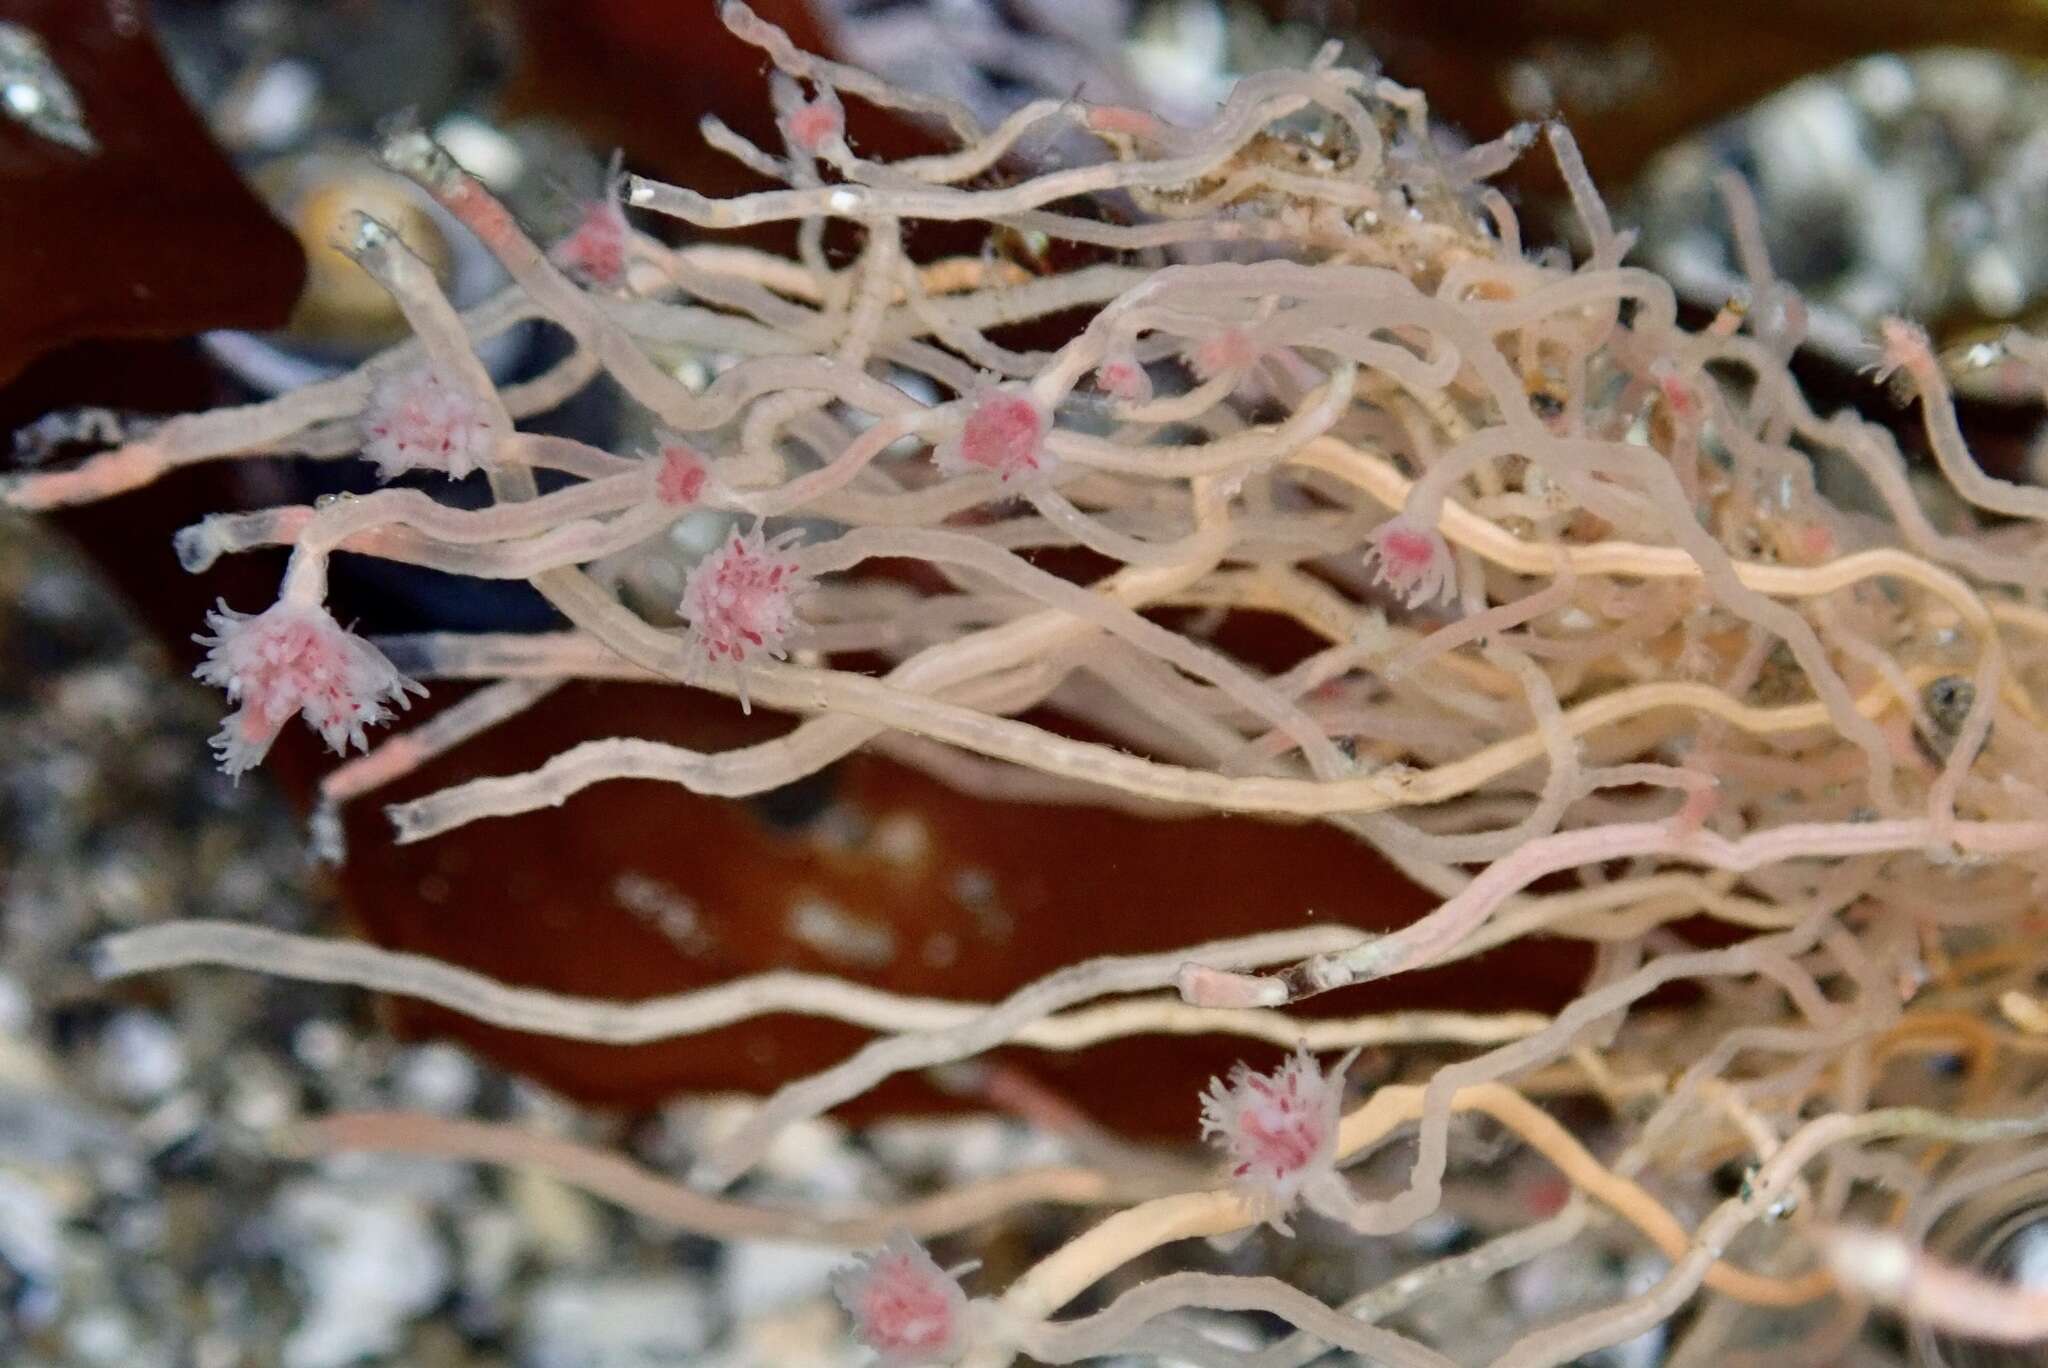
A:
(792, 495)
(567, 455)
(998, 782)
(825, 738)
(1255, 102)
(1969, 739)
(1562, 1343)
(963, 288)
(879, 276)
(1474, 1265)
(762, 376)
(1945, 440)
(769, 764)
(1628, 908)
(1931, 1205)
(562, 545)
(439, 328)
(507, 655)
(1172, 408)
(1123, 1237)
(312, 959)
(935, 503)
(749, 27)
(650, 1195)
(1547, 1136)
(956, 334)
(262, 428)
(657, 324)
(719, 136)
(1152, 706)
(732, 773)
(860, 707)
(1564, 783)
(1378, 477)
(184, 441)
(1324, 291)
(1237, 454)
(1877, 458)
(1122, 1320)
(1248, 181)
(1700, 1079)
(1428, 940)
(1098, 536)
(415, 156)
(1713, 564)
(333, 526)
(288, 955)
(786, 321)
(1607, 249)
(949, 168)
(1000, 1023)
(1424, 1191)
(942, 547)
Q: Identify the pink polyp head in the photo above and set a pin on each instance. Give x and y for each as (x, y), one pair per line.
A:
(1905, 343)
(596, 248)
(420, 419)
(1278, 1130)
(1413, 561)
(294, 658)
(1679, 394)
(680, 480)
(1004, 434)
(1121, 377)
(813, 125)
(740, 600)
(1905, 358)
(1406, 553)
(904, 1306)
(1222, 353)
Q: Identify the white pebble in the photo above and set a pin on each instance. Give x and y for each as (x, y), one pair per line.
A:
(370, 1265)
(766, 1275)
(437, 1078)
(624, 1322)
(140, 1057)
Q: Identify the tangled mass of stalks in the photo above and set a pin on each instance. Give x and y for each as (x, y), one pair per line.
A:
(1610, 632)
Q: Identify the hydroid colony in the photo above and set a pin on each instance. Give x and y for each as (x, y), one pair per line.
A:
(1611, 633)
